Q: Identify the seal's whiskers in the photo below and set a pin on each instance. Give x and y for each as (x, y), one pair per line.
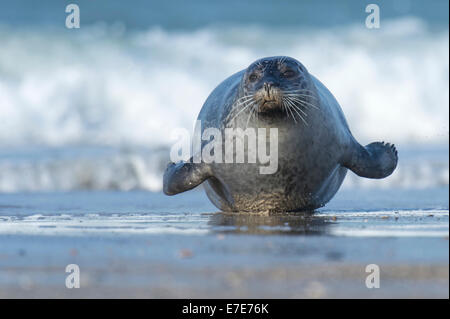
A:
(296, 109)
(288, 106)
(244, 98)
(302, 95)
(252, 111)
(299, 98)
(306, 104)
(247, 103)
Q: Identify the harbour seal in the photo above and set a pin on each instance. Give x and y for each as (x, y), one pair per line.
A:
(315, 145)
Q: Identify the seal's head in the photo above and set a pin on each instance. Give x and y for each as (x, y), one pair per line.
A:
(277, 85)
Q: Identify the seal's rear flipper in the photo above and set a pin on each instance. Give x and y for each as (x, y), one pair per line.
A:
(376, 160)
(184, 176)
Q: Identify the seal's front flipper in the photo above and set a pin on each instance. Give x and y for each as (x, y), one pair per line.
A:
(184, 176)
(376, 160)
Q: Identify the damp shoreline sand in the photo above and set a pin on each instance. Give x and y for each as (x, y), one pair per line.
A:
(147, 245)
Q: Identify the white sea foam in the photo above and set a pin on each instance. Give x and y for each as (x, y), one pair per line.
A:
(350, 232)
(97, 86)
(95, 224)
(100, 86)
(419, 213)
(131, 169)
(410, 223)
(398, 223)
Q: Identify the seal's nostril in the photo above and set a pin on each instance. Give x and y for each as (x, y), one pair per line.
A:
(267, 88)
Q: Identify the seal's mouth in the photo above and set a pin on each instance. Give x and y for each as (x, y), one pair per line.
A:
(269, 99)
(269, 105)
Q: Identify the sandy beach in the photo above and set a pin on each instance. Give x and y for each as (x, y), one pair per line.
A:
(141, 245)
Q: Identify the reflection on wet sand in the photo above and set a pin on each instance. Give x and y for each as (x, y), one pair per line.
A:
(305, 223)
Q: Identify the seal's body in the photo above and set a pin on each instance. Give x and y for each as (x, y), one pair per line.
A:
(315, 145)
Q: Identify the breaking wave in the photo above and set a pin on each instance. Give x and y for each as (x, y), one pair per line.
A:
(124, 93)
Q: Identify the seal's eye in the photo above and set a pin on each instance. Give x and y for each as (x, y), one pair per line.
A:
(253, 77)
(288, 73)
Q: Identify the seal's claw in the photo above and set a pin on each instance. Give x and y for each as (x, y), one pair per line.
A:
(394, 150)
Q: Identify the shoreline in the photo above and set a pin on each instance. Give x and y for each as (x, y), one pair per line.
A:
(146, 245)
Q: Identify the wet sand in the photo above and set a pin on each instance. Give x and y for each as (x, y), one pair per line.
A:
(146, 245)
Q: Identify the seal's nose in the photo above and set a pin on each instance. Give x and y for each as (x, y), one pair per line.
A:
(268, 85)
(269, 90)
